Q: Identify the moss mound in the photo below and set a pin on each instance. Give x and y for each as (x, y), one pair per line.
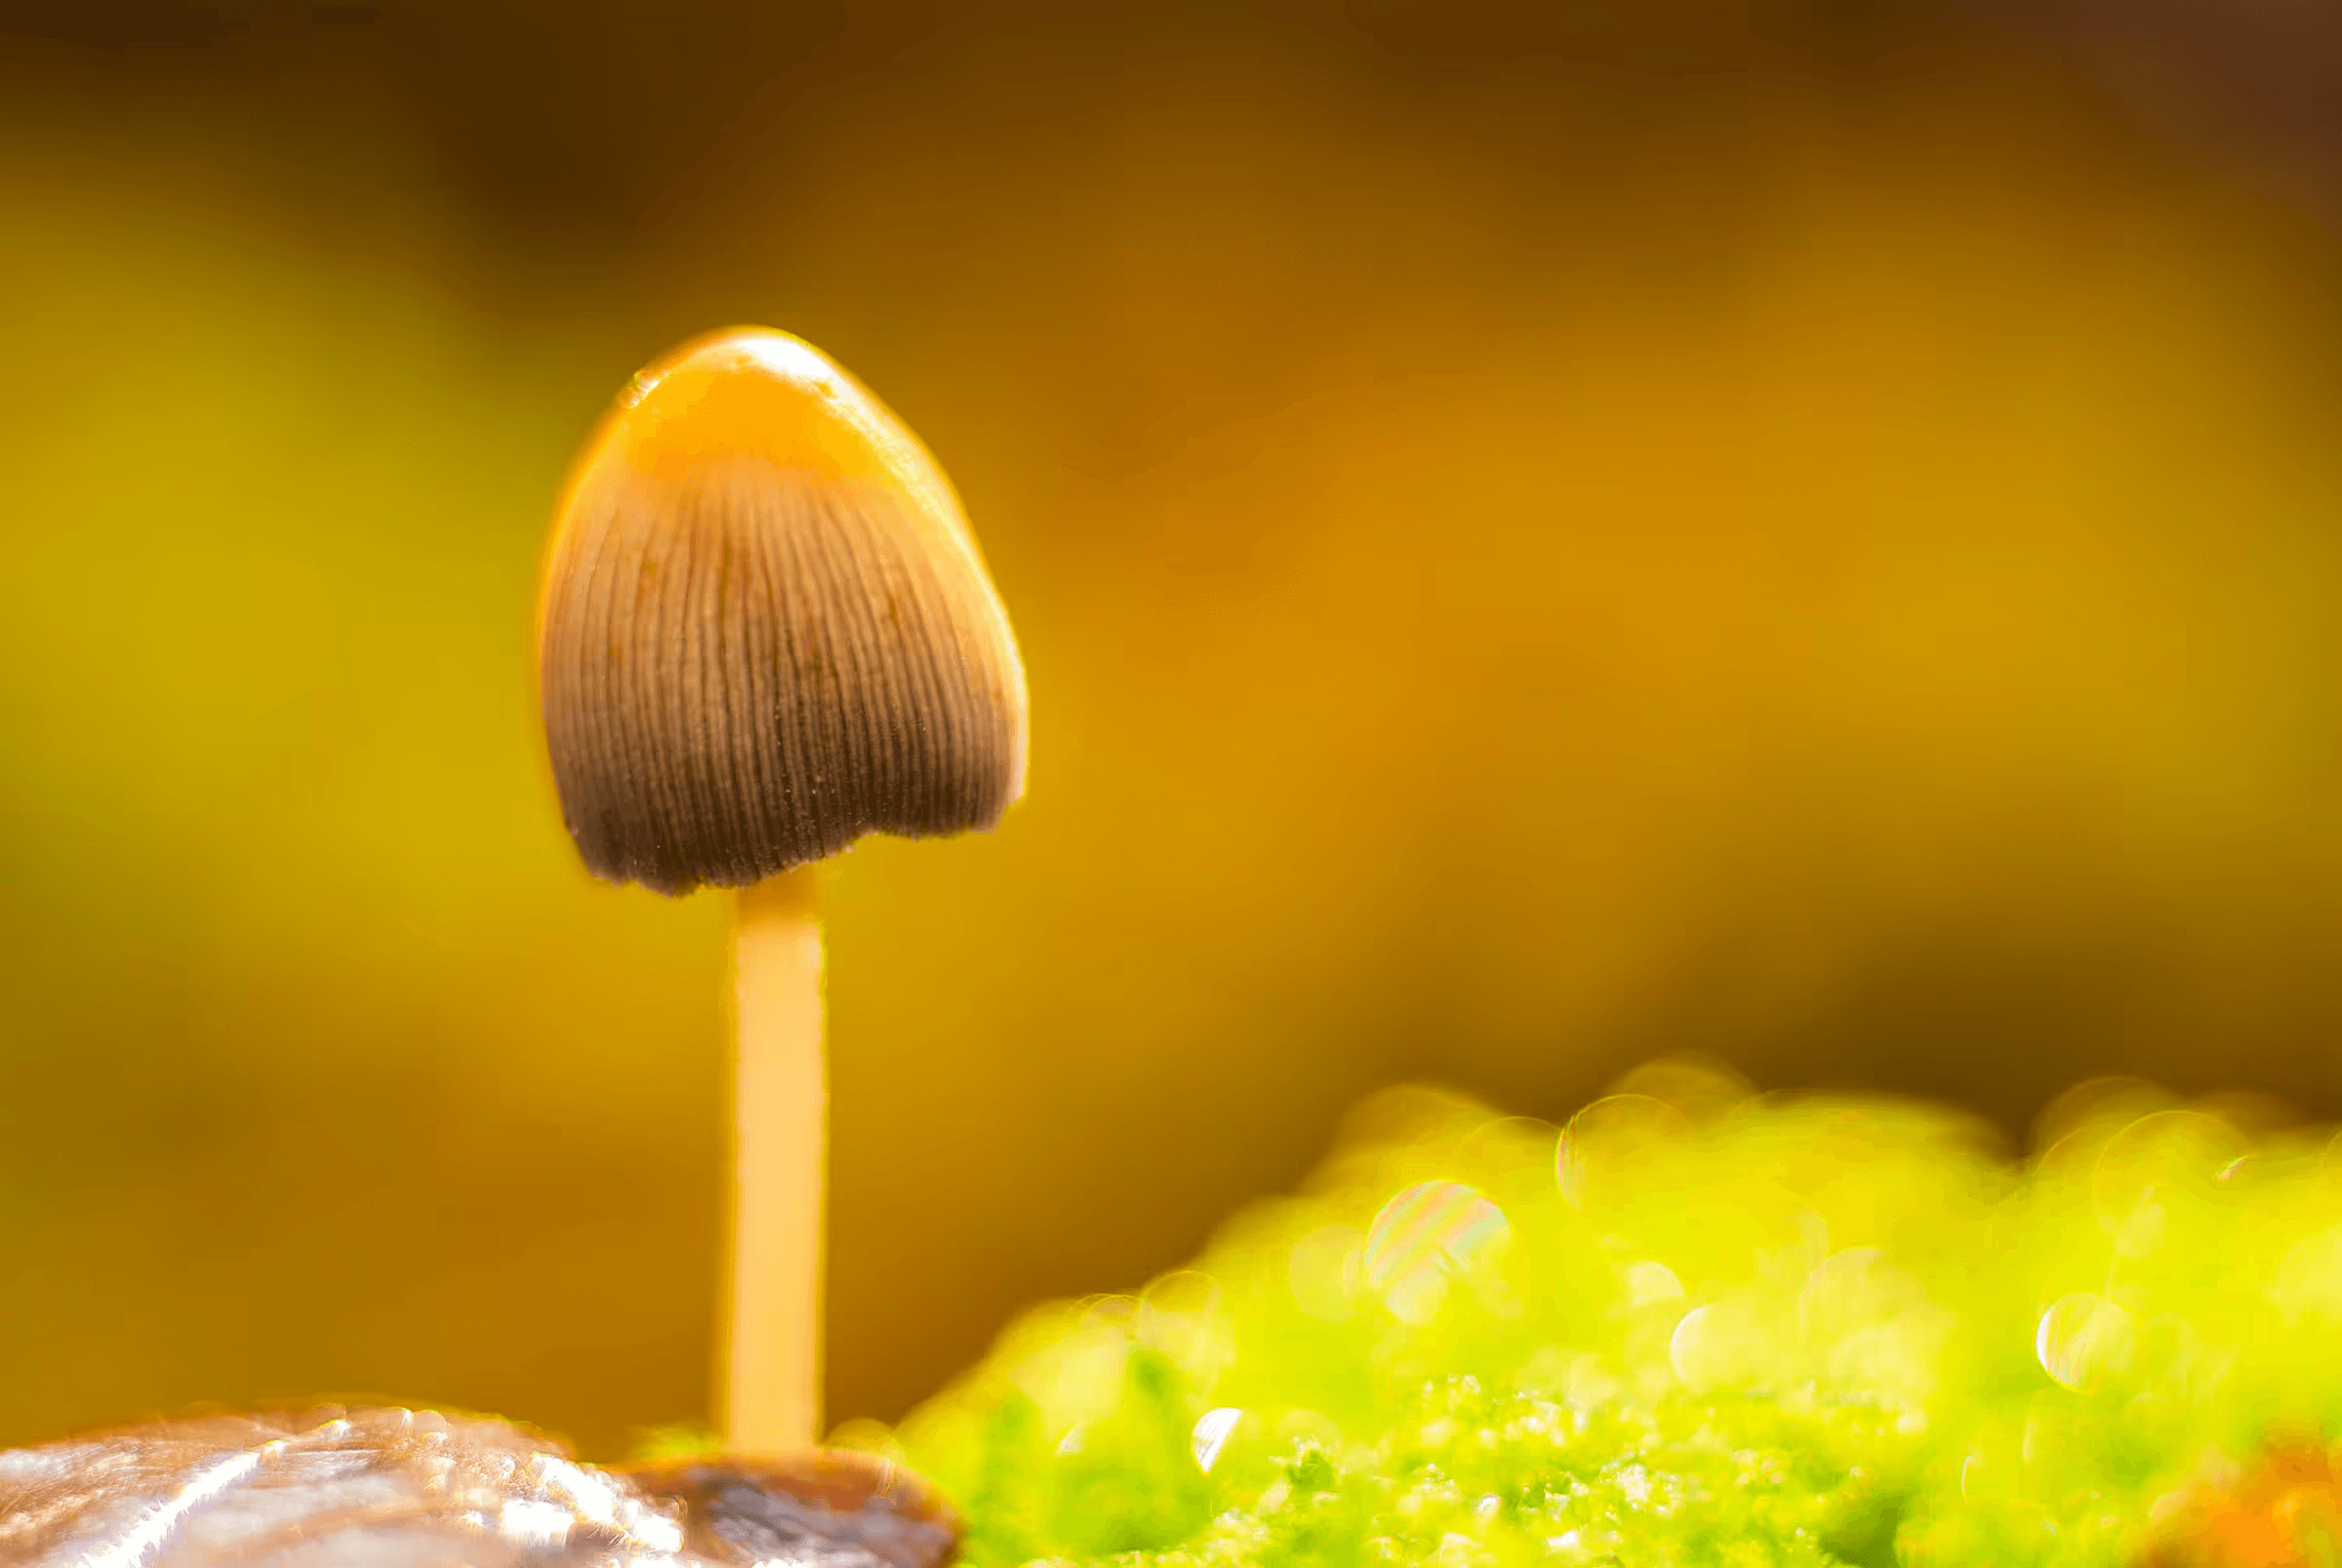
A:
(1694, 1327)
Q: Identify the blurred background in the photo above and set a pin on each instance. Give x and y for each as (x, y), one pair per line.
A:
(1543, 536)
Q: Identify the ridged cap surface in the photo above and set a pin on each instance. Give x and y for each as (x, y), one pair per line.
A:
(766, 629)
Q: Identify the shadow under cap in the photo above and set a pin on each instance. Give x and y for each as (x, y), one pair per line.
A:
(766, 629)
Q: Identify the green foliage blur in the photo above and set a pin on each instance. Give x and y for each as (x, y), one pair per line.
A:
(1543, 536)
(1763, 1332)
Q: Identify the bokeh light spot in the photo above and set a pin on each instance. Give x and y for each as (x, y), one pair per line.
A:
(2156, 1172)
(2082, 1339)
(1604, 1146)
(1425, 1234)
(1211, 1435)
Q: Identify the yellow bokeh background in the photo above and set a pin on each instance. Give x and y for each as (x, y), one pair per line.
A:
(1536, 547)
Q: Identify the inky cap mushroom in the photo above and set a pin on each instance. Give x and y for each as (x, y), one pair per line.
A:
(766, 629)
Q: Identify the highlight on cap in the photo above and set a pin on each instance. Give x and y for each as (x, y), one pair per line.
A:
(766, 628)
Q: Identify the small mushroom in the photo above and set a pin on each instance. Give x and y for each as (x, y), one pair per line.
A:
(765, 631)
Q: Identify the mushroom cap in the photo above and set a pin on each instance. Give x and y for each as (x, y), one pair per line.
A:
(765, 628)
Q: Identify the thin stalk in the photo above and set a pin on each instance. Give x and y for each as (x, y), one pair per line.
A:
(771, 1377)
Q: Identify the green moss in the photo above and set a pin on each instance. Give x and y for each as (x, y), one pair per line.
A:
(1693, 1328)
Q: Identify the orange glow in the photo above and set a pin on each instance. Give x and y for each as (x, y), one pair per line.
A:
(1536, 547)
(749, 391)
(753, 392)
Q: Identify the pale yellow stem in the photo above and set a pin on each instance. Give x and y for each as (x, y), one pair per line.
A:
(772, 1374)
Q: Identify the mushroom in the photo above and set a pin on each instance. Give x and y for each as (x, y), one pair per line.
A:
(765, 631)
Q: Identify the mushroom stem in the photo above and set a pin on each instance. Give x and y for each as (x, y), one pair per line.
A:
(772, 1373)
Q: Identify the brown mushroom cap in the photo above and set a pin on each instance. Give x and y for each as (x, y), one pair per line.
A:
(765, 628)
